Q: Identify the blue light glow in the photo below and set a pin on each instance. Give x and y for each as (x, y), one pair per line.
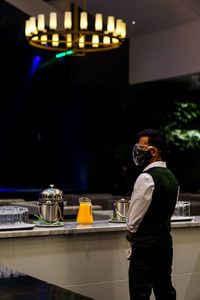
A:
(18, 190)
(36, 62)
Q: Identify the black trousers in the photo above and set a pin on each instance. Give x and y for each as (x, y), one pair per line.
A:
(150, 268)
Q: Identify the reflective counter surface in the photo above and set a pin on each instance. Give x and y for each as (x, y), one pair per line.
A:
(18, 286)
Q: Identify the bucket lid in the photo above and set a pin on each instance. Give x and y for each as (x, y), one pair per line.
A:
(51, 194)
(122, 200)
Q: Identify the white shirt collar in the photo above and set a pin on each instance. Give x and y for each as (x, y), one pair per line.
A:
(159, 163)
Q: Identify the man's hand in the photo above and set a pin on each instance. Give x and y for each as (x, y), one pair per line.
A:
(129, 237)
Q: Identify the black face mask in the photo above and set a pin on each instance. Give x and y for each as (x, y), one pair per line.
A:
(141, 157)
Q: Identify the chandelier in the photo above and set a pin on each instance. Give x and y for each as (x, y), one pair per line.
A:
(75, 38)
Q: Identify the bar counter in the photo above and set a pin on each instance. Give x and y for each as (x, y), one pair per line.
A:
(90, 259)
(75, 228)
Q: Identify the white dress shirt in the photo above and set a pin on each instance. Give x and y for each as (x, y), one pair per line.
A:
(141, 197)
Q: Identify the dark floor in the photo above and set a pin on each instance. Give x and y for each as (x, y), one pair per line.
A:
(18, 286)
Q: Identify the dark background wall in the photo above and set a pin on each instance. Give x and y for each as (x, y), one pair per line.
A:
(50, 115)
(73, 121)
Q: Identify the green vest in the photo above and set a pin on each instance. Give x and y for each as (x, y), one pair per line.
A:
(156, 221)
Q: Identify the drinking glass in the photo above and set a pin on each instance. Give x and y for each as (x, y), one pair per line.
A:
(182, 209)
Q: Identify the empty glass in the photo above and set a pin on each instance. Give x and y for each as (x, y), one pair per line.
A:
(182, 209)
(13, 215)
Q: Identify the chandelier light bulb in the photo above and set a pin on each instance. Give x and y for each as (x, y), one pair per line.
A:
(69, 40)
(68, 20)
(123, 32)
(115, 41)
(106, 39)
(53, 20)
(43, 39)
(35, 38)
(41, 22)
(83, 20)
(118, 29)
(82, 41)
(111, 24)
(98, 22)
(27, 28)
(32, 23)
(55, 40)
(95, 41)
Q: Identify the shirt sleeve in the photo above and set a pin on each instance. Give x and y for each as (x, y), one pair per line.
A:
(140, 200)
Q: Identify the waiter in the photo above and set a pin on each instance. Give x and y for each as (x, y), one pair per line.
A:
(151, 206)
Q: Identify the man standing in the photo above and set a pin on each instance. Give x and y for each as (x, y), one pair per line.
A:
(151, 206)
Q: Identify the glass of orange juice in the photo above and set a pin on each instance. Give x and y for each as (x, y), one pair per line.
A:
(85, 211)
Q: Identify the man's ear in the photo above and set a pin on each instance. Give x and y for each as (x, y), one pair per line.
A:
(154, 152)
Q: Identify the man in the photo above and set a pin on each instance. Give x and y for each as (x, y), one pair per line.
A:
(151, 206)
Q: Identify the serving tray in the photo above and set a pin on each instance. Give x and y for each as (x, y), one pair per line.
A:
(181, 219)
(16, 226)
(116, 221)
(42, 224)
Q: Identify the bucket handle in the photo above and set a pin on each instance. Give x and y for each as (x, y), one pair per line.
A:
(119, 213)
(61, 217)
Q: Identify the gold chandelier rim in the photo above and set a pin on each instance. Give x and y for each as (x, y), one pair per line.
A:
(74, 48)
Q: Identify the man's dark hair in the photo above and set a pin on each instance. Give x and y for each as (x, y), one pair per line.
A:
(156, 139)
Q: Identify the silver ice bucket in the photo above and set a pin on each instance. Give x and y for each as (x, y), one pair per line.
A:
(120, 209)
(51, 205)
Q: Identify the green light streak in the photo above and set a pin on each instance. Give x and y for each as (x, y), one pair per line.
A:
(70, 52)
(62, 54)
(48, 63)
(59, 55)
(53, 59)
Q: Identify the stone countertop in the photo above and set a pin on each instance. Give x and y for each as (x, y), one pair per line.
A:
(75, 228)
(68, 228)
(185, 224)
